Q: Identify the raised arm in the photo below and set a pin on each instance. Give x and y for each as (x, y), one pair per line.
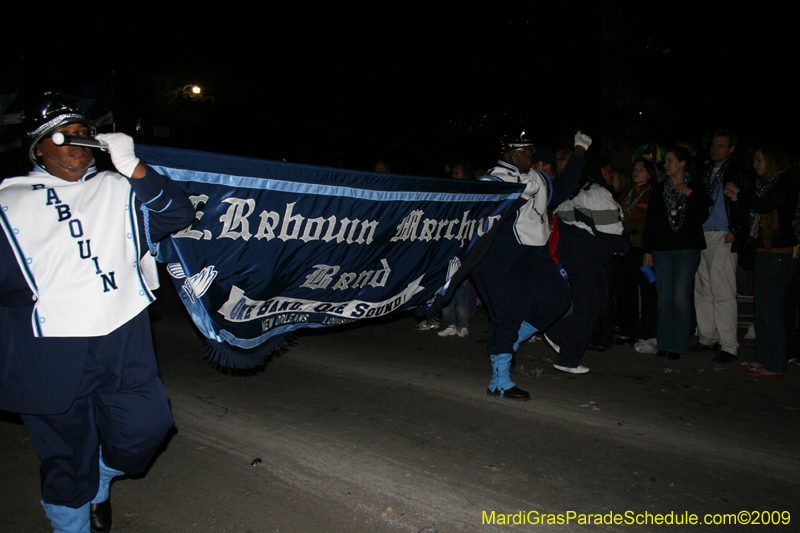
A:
(564, 186)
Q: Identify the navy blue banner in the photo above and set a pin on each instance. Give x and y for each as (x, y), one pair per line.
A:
(280, 246)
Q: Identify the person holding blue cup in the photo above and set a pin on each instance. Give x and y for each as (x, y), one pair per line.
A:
(634, 284)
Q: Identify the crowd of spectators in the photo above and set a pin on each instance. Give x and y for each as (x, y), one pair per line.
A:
(704, 223)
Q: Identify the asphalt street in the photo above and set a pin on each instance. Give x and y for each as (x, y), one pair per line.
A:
(381, 428)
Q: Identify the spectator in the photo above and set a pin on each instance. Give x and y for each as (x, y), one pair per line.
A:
(673, 239)
(545, 161)
(726, 227)
(455, 315)
(620, 181)
(772, 208)
(632, 284)
(381, 166)
(562, 156)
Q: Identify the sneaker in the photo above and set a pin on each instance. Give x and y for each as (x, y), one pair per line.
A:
(580, 369)
(462, 332)
(751, 332)
(556, 348)
(448, 331)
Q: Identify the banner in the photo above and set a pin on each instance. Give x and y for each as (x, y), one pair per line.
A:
(279, 246)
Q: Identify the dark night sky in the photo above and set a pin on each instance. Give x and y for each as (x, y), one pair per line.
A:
(338, 85)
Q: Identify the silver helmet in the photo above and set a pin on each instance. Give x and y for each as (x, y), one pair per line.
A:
(513, 142)
(55, 112)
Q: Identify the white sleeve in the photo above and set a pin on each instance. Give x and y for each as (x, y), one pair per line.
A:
(533, 183)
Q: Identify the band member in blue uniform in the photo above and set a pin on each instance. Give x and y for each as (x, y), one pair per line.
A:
(523, 290)
(76, 274)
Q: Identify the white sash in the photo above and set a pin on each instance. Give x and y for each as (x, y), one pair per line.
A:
(77, 244)
(531, 227)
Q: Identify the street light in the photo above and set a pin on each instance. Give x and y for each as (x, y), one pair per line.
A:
(194, 89)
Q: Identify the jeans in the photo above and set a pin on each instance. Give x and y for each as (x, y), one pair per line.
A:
(675, 270)
(456, 313)
(771, 277)
(744, 286)
(790, 306)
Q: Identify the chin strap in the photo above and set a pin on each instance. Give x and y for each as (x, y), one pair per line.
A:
(516, 161)
(80, 170)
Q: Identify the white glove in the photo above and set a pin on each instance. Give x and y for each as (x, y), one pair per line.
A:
(581, 139)
(120, 148)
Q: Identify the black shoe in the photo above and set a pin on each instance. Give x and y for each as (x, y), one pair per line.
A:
(673, 355)
(700, 347)
(723, 357)
(100, 516)
(661, 353)
(509, 394)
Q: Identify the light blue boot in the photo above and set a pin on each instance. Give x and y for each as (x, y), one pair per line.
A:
(525, 332)
(106, 475)
(501, 364)
(67, 519)
(501, 384)
(100, 514)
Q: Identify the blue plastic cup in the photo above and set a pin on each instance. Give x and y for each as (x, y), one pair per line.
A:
(648, 273)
